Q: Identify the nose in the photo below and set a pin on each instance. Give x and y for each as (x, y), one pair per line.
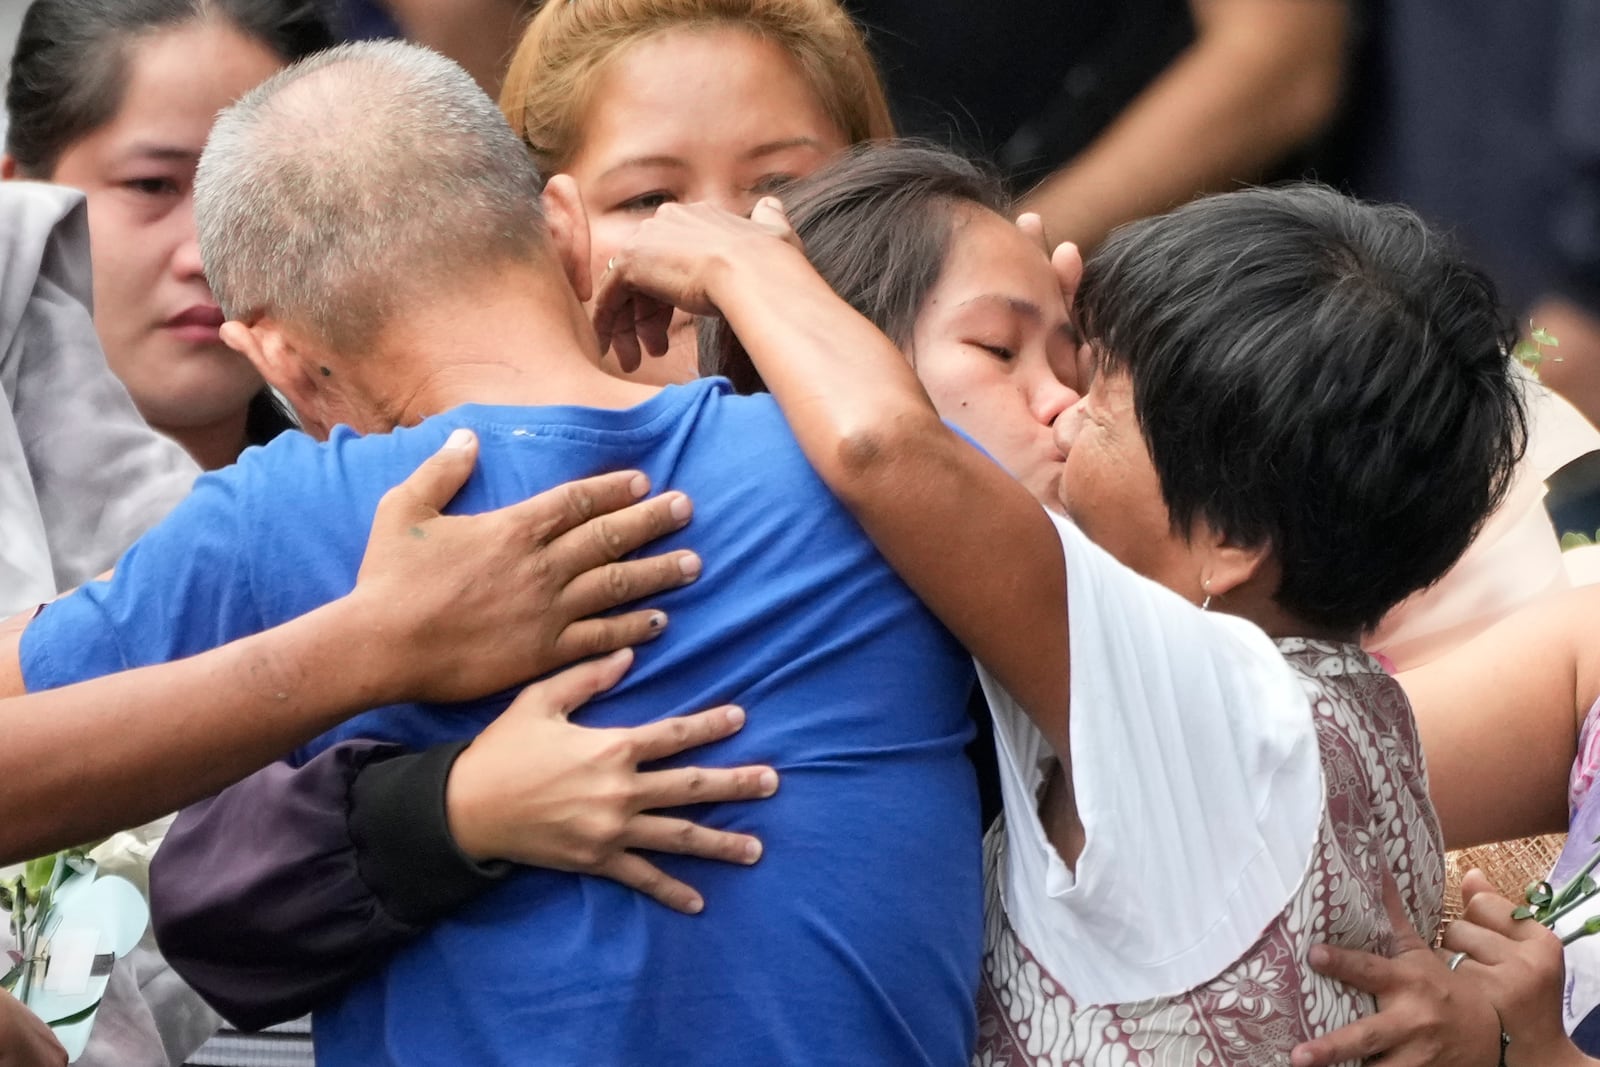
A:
(1067, 425)
(1052, 397)
(186, 263)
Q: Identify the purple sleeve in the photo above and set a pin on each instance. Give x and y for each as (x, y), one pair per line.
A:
(278, 892)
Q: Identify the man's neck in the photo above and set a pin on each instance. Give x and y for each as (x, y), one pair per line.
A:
(524, 342)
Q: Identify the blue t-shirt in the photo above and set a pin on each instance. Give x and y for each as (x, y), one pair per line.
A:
(857, 937)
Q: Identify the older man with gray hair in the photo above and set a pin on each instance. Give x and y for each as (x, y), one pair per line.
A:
(374, 231)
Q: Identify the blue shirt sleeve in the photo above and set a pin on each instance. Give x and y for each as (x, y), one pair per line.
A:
(181, 589)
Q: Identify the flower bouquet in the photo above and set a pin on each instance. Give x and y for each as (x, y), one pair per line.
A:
(1548, 905)
(66, 927)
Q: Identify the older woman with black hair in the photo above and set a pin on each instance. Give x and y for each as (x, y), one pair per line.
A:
(1301, 411)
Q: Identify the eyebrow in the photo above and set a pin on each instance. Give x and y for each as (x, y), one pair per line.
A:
(773, 147)
(162, 153)
(675, 163)
(1026, 308)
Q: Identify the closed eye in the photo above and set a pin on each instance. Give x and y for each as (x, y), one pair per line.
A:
(1000, 352)
(771, 183)
(647, 202)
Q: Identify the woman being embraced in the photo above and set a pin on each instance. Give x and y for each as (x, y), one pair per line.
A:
(1300, 412)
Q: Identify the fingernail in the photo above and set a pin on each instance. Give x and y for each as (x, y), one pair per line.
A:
(658, 621)
(696, 906)
(680, 507)
(640, 485)
(752, 851)
(1318, 956)
(735, 716)
(459, 439)
(768, 781)
(689, 564)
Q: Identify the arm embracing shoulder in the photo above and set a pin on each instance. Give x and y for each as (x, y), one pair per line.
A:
(968, 538)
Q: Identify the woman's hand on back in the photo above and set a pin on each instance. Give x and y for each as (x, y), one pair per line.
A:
(458, 607)
(676, 259)
(538, 789)
(1427, 1016)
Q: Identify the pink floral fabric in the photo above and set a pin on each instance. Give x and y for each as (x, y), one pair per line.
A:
(1587, 766)
(1376, 816)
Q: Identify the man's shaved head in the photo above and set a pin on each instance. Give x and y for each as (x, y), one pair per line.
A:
(356, 182)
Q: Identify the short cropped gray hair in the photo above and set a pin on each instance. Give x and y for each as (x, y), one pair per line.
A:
(356, 181)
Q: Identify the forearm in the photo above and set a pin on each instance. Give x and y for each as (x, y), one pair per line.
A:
(145, 742)
(274, 895)
(1262, 78)
(851, 397)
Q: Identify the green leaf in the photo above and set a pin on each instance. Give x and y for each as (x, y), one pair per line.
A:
(75, 1017)
(1572, 539)
(36, 873)
(1542, 336)
(1523, 912)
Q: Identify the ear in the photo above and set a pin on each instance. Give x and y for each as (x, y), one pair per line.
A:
(568, 220)
(1224, 565)
(277, 358)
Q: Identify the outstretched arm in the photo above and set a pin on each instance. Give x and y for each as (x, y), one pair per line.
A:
(1499, 718)
(498, 605)
(969, 539)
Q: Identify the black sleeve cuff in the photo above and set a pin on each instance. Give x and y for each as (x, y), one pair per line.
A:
(404, 850)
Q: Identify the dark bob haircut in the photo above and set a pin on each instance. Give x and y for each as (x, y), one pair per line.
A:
(877, 224)
(1318, 375)
(70, 66)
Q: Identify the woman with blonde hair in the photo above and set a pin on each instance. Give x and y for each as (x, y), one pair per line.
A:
(646, 102)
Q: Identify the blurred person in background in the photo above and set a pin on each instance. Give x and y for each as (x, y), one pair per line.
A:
(1116, 109)
(1482, 116)
(478, 34)
(116, 98)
